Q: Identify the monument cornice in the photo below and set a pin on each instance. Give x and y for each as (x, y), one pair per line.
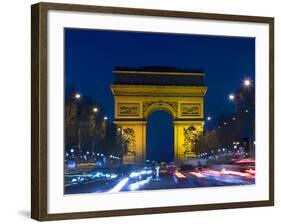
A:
(153, 90)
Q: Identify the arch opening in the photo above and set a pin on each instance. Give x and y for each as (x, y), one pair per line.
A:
(160, 106)
(160, 136)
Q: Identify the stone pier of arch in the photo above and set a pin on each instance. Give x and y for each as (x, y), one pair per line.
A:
(137, 94)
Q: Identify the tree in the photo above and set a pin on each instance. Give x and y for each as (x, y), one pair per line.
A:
(245, 112)
(112, 144)
(207, 142)
(84, 129)
(71, 128)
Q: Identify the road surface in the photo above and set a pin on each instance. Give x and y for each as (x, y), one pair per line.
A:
(148, 180)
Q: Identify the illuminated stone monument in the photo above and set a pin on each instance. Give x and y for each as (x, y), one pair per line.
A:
(139, 92)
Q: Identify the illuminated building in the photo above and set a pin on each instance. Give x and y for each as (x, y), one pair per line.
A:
(139, 92)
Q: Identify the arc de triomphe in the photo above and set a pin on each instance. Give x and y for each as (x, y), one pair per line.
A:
(140, 92)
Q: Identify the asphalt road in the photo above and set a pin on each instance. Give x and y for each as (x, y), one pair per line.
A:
(204, 178)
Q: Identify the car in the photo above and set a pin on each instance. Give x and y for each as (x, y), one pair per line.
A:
(140, 173)
(187, 168)
(171, 169)
(182, 173)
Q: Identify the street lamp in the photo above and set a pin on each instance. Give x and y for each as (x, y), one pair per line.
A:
(247, 82)
(77, 96)
(95, 109)
(209, 118)
(72, 153)
(231, 97)
(105, 118)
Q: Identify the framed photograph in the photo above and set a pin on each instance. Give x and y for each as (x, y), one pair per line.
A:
(138, 111)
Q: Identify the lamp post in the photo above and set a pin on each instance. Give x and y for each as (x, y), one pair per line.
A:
(95, 111)
(77, 97)
(248, 84)
(72, 153)
(205, 124)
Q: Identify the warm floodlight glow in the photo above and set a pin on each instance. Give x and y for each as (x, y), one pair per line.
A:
(95, 109)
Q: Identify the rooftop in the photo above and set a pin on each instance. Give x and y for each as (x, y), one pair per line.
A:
(159, 68)
(158, 75)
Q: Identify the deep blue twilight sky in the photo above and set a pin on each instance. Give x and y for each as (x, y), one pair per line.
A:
(91, 55)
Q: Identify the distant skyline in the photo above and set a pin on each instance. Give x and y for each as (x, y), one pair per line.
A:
(91, 55)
